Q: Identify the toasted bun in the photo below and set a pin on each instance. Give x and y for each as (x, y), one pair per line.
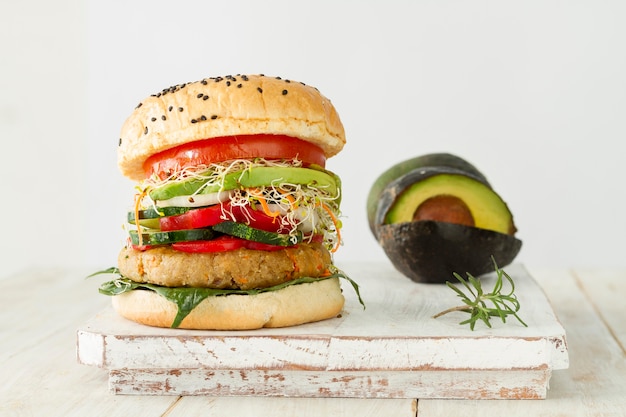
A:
(290, 306)
(227, 106)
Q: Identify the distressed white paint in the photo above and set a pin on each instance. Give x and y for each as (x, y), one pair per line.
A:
(395, 338)
(466, 384)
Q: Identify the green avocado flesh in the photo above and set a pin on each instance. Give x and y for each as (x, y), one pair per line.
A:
(488, 210)
(254, 177)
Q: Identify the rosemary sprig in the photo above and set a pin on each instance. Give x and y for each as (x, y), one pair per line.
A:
(476, 302)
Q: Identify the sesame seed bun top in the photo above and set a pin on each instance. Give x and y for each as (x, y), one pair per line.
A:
(227, 106)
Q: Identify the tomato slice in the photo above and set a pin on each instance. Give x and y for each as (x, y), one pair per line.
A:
(193, 219)
(222, 244)
(257, 219)
(141, 248)
(212, 215)
(207, 151)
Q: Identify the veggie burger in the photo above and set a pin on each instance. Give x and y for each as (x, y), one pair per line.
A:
(236, 218)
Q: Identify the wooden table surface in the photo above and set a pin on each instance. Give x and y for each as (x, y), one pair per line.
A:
(42, 309)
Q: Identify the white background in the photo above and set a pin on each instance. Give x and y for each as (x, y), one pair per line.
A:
(533, 93)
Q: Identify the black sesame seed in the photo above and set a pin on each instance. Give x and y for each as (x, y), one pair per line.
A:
(145, 131)
(228, 83)
(120, 142)
(204, 82)
(287, 81)
(139, 105)
(163, 117)
(239, 85)
(213, 117)
(194, 121)
(170, 108)
(259, 89)
(205, 97)
(203, 117)
(199, 95)
(180, 109)
(285, 92)
(153, 119)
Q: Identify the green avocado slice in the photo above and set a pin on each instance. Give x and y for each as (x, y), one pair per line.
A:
(254, 177)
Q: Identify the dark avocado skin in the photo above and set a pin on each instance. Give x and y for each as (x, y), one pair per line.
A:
(431, 252)
(439, 160)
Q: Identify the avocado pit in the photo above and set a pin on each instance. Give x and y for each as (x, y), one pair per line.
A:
(444, 208)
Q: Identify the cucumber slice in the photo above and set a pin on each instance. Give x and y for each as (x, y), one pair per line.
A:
(152, 213)
(254, 177)
(163, 238)
(244, 231)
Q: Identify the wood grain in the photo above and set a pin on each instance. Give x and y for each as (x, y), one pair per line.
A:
(40, 374)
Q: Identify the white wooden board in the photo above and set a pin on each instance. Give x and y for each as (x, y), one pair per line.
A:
(392, 349)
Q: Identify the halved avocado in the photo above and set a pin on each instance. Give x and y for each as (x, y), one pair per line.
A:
(430, 252)
(433, 221)
(441, 160)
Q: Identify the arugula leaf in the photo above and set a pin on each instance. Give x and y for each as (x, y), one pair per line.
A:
(187, 298)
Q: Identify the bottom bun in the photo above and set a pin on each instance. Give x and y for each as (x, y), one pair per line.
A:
(290, 306)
